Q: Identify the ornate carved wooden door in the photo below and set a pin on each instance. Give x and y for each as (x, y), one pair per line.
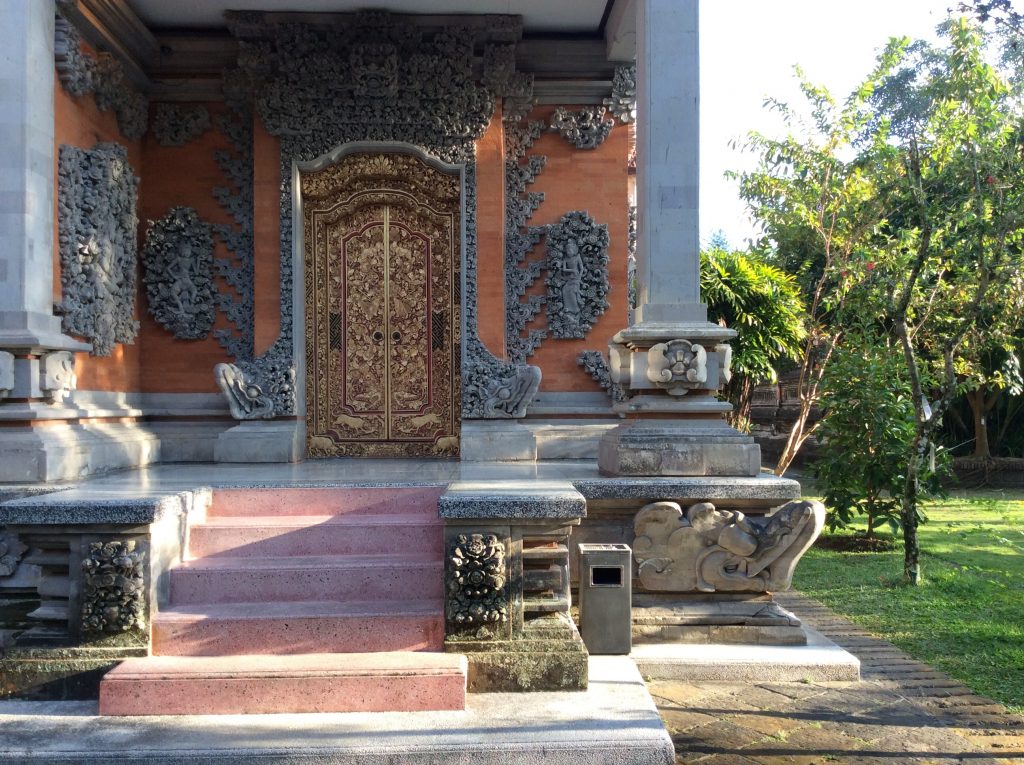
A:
(382, 256)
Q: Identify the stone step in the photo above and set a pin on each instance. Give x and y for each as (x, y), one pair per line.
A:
(308, 577)
(239, 537)
(323, 682)
(335, 500)
(223, 629)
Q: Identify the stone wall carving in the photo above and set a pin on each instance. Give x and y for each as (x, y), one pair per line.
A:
(596, 365)
(177, 124)
(520, 239)
(6, 374)
(711, 550)
(178, 273)
(80, 74)
(622, 103)
(57, 376)
(11, 552)
(476, 592)
(677, 366)
(96, 199)
(577, 280)
(235, 296)
(113, 588)
(631, 262)
(258, 389)
(374, 77)
(584, 128)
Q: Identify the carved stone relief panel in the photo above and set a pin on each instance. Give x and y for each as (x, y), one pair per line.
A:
(476, 583)
(11, 551)
(96, 199)
(177, 124)
(585, 128)
(80, 74)
(374, 77)
(113, 588)
(178, 273)
(622, 103)
(577, 280)
(712, 550)
(596, 365)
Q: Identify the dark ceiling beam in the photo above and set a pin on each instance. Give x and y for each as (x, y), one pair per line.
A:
(112, 26)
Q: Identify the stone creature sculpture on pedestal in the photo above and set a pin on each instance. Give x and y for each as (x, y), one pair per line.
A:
(712, 550)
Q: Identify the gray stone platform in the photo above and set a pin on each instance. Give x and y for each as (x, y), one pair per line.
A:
(615, 722)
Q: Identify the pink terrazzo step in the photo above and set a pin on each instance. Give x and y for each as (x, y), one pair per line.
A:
(223, 629)
(326, 501)
(308, 577)
(315, 535)
(376, 682)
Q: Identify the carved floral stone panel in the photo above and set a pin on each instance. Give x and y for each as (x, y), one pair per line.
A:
(113, 588)
(177, 124)
(178, 273)
(712, 550)
(577, 280)
(97, 193)
(476, 592)
(585, 128)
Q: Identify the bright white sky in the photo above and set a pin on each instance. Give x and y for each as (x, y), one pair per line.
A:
(748, 50)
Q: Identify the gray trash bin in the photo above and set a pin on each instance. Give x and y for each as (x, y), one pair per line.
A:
(606, 598)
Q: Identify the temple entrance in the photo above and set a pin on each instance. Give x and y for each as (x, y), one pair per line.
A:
(382, 276)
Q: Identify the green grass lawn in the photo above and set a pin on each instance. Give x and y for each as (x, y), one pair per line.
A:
(967, 619)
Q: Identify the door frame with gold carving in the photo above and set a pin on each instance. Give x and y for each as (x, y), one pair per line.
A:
(299, 169)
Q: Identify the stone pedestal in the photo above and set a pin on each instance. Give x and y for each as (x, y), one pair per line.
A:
(262, 441)
(507, 585)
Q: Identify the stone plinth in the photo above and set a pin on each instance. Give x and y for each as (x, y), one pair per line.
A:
(507, 584)
(678, 447)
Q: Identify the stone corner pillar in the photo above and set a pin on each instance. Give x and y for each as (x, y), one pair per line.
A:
(671, 361)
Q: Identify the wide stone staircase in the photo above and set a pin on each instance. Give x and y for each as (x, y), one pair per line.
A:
(301, 600)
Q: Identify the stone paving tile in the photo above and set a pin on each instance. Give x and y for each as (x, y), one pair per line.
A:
(901, 712)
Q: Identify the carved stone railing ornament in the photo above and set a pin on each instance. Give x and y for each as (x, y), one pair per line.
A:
(178, 273)
(584, 128)
(96, 199)
(11, 552)
(80, 74)
(577, 280)
(57, 376)
(622, 103)
(712, 550)
(476, 581)
(372, 76)
(113, 588)
(177, 124)
(246, 397)
(6, 374)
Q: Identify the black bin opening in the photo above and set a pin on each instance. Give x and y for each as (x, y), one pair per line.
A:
(606, 576)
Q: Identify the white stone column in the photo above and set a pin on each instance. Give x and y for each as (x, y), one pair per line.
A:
(671, 362)
(27, 178)
(668, 161)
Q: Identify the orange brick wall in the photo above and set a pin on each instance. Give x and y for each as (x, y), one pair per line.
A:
(595, 181)
(78, 122)
(490, 270)
(267, 235)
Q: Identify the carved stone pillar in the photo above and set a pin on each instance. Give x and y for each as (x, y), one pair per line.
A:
(671, 362)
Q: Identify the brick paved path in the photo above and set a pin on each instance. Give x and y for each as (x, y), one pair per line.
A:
(901, 711)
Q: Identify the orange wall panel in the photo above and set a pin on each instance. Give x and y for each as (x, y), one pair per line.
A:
(595, 181)
(183, 176)
(78, 122)
(266, 235)
(490, 271)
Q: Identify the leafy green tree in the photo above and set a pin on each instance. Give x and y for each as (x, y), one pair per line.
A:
(867, 434)
(763, 303)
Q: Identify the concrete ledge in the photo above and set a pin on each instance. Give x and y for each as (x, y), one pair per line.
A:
(615, 722)
(513, 500)
(77, 507)
(820, 660)
(696, 488)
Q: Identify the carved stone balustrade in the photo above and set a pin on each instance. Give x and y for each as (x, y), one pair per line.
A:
(507, 584)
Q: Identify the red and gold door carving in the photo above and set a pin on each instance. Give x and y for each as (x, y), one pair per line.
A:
(382, 256)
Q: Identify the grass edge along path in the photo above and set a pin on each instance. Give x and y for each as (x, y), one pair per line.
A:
(967, 619)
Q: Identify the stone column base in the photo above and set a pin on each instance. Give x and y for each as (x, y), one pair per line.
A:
(664, 447)
(549, 656)
(719, 618)
(262, 441)
(496, 441)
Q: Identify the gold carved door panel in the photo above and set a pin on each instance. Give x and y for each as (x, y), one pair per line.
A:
(382, 256)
